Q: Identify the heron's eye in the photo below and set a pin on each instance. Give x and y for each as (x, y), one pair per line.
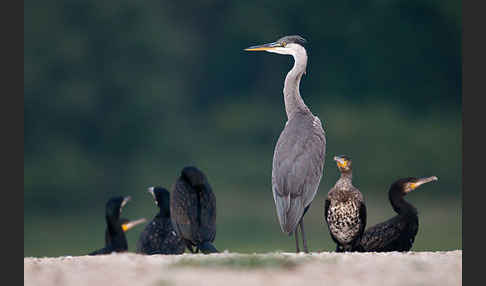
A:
(284, 44)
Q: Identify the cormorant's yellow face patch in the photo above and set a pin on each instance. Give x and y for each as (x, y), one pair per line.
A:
(410, 187)
(342, 163)
(125, 227)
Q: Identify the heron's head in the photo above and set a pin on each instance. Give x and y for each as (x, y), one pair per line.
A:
(406, 185)
(343, 163)
(288, 45)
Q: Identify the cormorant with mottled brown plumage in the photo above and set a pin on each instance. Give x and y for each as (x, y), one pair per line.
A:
(193, 210)
(397, 233)
(345, 210)
(159, 236)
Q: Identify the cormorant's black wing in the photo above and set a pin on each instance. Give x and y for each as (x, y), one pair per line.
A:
(362, 216)
(381, 236)
(184, 210)
(208, 214)
(327, 202)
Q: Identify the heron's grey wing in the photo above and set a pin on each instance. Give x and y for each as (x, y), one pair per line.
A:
(297, 168)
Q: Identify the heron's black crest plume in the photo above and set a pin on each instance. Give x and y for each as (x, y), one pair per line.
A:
(293, 39)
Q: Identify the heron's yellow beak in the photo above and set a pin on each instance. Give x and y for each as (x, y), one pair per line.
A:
(264, 47)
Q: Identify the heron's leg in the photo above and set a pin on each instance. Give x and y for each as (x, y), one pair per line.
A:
(296, 234)
(304, 241)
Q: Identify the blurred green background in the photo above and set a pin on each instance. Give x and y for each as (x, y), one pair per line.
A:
(120, 95)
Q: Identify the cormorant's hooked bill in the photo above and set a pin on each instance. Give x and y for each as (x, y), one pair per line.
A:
(418, 182)
(130, 224)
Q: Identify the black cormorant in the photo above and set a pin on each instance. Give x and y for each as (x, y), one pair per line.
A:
(193, 210)
(397, 233)
(345, 210)
(159, 236)
(118, 243)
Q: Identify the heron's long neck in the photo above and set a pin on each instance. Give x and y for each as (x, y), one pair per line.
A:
(293, 101)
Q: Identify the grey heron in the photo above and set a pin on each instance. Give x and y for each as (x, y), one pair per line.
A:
(345, 209)
(299, 154)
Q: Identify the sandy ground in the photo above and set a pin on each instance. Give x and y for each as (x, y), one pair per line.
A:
(326, 268)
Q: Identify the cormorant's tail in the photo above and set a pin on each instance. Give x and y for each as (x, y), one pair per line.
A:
(206, 248)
